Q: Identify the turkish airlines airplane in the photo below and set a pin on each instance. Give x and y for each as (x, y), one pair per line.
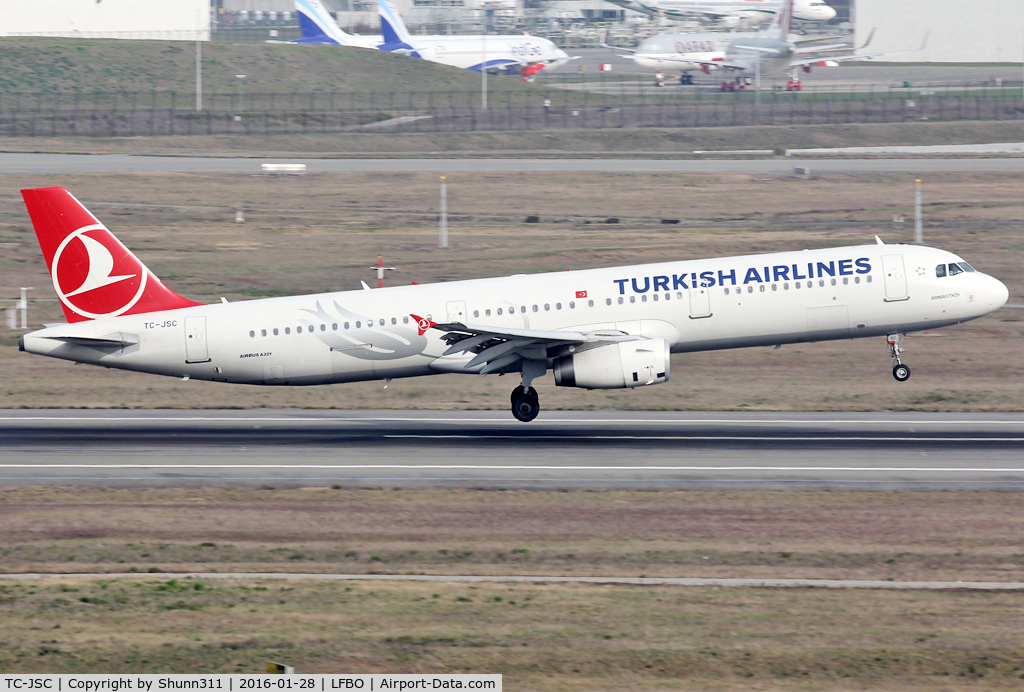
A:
(596, 329)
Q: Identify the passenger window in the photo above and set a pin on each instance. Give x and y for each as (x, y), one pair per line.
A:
(358, 324)
(620, 300)
(323, 327)
(655, 297)
(668, 296)
(856, 279)
(643, 298)
(846, 280)
(346, 325)
(632, 299)
(275, 331)
(572, 304)
(395, 321)
(591, 303)
(405, 319)
(955, 269)
(558, 306)
(263, 332)
(775, 287)
(252, 334)
(821, 282)
(607, 301)
(750, 289)
(523, 308)
(534, 308)
(298, 330)
(547, 307)
(499, 311)
(785, 286)
(869, 278)
(727, 291)
(476, 313)
(833, 282)
(679, 295)
(487, 313)
(762, 288)
(796, 285)
(334, 327)
(287, 330)
(940, 271)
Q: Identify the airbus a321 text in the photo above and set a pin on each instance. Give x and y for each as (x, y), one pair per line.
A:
(595, 329)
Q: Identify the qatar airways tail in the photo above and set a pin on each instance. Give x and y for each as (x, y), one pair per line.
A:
(595, 329)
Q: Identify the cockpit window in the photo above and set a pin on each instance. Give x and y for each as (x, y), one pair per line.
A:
(940, 270)
(966, 267)
(955, 269)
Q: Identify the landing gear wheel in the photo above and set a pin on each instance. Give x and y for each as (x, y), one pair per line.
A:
(901, 373)
(525, 404)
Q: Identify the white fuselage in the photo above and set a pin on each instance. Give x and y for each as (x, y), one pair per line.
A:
(695, 305)
(808, 10)
(670, 51)
(471, 52)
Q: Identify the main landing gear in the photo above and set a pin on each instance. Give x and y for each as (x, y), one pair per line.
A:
(525, 404)
(686, 79)
(900, 371)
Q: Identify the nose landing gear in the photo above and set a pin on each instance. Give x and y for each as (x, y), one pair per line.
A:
(900, 371)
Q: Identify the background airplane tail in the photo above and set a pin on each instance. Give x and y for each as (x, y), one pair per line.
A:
(317, 25)
(392, 28)
(93, 274)
(783, 20)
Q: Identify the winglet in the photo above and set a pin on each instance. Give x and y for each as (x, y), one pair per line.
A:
(879, 240)
(424, 323)
(870, 36)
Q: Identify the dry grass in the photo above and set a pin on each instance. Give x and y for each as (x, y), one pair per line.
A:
(539, 636)
(322, 232)
(904, 536)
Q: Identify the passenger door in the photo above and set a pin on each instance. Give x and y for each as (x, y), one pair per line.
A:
(457, 311)
(195, 340)
(700, 302)
(895, 278)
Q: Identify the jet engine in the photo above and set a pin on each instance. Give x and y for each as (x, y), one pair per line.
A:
(615, 366)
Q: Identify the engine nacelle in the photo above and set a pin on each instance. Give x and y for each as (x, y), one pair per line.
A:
(615, 366)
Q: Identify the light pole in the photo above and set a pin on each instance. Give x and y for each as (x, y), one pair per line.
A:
(443, 243)
(241, 81)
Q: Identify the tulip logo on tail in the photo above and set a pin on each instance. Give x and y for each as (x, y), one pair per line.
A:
(95, 275)
(423, 323)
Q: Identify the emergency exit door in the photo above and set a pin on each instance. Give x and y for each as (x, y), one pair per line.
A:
(195, 340)
(457, 311)
(895, 278)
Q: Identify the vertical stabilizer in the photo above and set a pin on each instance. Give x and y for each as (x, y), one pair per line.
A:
(93, 274)
(318, 26)
(783, 21)
(392, 28)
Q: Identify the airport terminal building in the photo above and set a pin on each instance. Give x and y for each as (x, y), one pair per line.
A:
(982, 31)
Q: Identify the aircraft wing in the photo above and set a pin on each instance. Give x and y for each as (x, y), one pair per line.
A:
(497, 348)
(719, 63)
(855, 56)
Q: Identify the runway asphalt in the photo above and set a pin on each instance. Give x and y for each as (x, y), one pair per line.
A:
(72, 164)
(603, 450)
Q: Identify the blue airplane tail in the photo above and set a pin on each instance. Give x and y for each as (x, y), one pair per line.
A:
(393, 30)
(317, 26)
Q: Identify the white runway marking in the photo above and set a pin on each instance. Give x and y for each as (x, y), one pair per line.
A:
(519, 467)
(721, 438)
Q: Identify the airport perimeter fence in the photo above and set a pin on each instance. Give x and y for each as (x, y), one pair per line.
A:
(168, 113)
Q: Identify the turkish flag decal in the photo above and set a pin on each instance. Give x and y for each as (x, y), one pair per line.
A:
(581, 294)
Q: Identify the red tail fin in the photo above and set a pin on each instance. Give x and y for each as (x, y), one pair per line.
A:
(93, 273)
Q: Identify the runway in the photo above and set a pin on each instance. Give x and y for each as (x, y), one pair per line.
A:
(74, 164)
(560, 450)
